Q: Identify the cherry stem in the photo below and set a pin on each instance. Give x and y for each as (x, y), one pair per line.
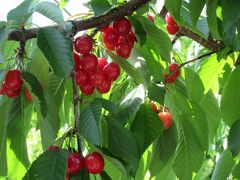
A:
(187, 62)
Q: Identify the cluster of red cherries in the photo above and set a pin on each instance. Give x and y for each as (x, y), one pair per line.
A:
(92, 72)
(119, 37)
(12, 85)
(171, 27)
(164, 116)
(174, 72)
(93, 162)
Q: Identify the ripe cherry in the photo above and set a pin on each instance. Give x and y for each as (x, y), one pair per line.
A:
(172, 29)
(123, 26)
(51, 148)
(98, 78)
(123, 50)
(94, 163)
(89, 62)
(81, 77)
(151, 18)
(83, 44)
(105, 27)
(109, 46)
(170, 79)
(111, 71)
(13, 79)
(11, 93)
(154, 107)
(172, 67)
(101, 63)
(169, 19)
(75, 163)
(28, 95)
(104, 87)
(110, 36)
(77, 61)
(166, 119)
(87, 89)
(129, 39)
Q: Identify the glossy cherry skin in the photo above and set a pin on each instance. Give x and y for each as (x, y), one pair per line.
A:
(172, 67)
(166, 119)
(172, 29)
(104, 87)
(75, 163)
(81, 77)
(89, 62)
(98, 78)
(111, 71)
(110, 36)
(110, 47)
(83, 44)
(51, 148)
(101, 63)
(87, 89)
(154, 107)
(123, 50)
(129, 39)
(77, 61)
(170, 79)
(94, 163)
(169, 19)
(11, 93)
(28, 95)
(13, 79)
(123, 26)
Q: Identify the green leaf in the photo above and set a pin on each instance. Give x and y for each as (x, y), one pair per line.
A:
(108, 105)
(236, 171)
(128, 68)
(140, 33)
(195, 8)
(230, 104)
(161, 41)
(211, 107)
(105, 176)
(156, 93)
(99, 7)
(4, 31)
(3, 135)
(89, 123)
(174, 7)
(206, 170)
(37, 89)
(234, 139)
(49, 165)
(121, 143)
(194, 85)
(146, 127)
(224, 166)
(50, 10)
(83, 175)
(56, 48)
(230, 13)
(17, 130)
(20, 15)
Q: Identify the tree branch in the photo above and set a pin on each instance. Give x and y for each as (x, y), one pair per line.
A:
(210, 43)
(100, 21)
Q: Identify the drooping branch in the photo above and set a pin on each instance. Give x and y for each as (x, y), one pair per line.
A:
(209, 43)
(100, 21)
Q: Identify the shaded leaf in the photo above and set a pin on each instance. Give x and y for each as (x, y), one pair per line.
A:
(196, 7)
(234, 139)
(156, 93)
(99, 7)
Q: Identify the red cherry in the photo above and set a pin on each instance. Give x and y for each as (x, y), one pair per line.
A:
(111, 71)
(13, 79)
(101, 63)
(170, 79)
(75, 163)
(77, 61)
(89, 62)
(28, 95)
(83, 44)
(110, 36)
(154, 107)
(123, 50)
(169, 19)
(129, 39)
(151, 18)
(123, 26)
(51, 148)
(87, 89)
(166, 119)
(109, 46)
(104, 28)
(104, 87)
(94, 163)
(172, 29)
(67, 176)
(11, 93)
(98, 78)
(172, 67)
(81, 77)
